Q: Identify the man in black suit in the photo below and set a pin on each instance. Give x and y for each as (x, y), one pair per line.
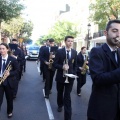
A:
(18, 54)
(7, 84)
(104, 64)
(42, 62)
(81, 80)
(46, 55)
(64, 89)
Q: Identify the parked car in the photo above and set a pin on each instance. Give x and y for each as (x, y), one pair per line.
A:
(33, 52)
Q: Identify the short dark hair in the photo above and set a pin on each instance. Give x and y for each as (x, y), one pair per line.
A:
(15, 40)
(47, 40)
(110, 22)
(83, 47)
(4, 44)
(51, 40)
(68, 37)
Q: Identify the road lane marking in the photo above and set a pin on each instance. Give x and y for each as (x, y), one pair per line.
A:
(38, 69)
(50, 113)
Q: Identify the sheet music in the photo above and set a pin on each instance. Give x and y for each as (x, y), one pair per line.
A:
(26, 57)
(71, 75)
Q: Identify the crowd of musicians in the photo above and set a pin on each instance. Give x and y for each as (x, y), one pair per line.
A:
(67, 65)
(63, 61)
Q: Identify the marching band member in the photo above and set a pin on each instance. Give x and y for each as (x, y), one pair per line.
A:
(64, 89)
(42, 71)
(49, 72)
(104, 64)
(81, 69)
(7, 85)
(18, 54)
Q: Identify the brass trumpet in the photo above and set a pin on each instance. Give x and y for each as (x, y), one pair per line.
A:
(65, 71)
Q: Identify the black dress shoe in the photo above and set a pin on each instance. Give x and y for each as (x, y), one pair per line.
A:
(59, 109)
(10, 115)
(46, 96)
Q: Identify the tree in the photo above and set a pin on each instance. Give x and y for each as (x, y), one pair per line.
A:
(59, 31)
(26, 29)
(62, 29)
(17, 27)
(103, 11)
(12, 28)
(9, 9)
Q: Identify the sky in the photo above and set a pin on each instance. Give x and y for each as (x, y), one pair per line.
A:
(42, 13)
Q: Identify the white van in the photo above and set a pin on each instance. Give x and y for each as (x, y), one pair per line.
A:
(97, 42)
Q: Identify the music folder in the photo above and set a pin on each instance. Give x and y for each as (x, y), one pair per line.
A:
(71, 75)
(13, 46)
(54, 49)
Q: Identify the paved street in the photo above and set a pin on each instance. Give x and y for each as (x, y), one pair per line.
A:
(30, 103)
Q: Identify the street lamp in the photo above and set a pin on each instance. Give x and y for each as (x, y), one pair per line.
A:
(89, 27)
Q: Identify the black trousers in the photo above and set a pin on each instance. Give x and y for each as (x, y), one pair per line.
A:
(42, 70)
(49, 74)
(24, 65)
(9, 97)
(64, 98)
(81, 80)
(20, 72)
(16, 80)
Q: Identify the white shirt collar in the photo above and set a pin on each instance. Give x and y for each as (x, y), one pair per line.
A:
(66, 50)
(6, 57)
(112, 48)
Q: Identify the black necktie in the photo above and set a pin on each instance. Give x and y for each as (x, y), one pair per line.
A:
(68, 54)
(3, 65)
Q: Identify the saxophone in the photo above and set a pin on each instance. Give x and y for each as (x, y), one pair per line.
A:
(3, 78)
(85, 67)
(50, 61)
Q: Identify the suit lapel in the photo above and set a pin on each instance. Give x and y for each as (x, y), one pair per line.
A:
(64, 53)
(0, 63)
(109, 54)
(118, 56)
(8, 60)
(82, 57)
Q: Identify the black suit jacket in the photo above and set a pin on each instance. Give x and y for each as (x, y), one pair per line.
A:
(20, 56)
(40, 53)
(58, 64)
(15, 68)
(45, 57)
(105, 72)
(80, 61)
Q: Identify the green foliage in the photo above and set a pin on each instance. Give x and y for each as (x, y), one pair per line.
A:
(18, 27)
(10, 9)
(60, 30)
(26, 29)
(103, 11)
(12, 27)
